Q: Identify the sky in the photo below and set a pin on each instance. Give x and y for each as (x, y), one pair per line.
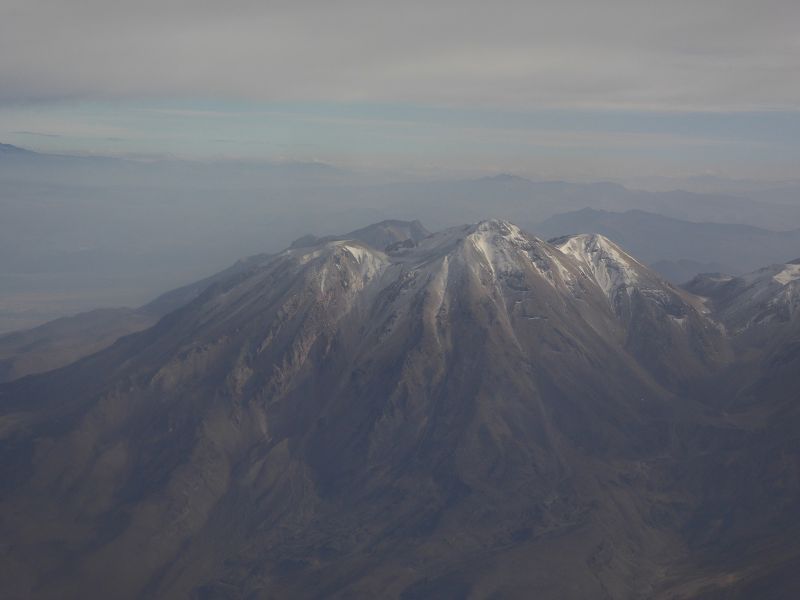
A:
(570, 89)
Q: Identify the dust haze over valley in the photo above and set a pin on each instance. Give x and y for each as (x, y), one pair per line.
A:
(424, 301)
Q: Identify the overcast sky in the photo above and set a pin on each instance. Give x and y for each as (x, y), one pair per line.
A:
(704, 85)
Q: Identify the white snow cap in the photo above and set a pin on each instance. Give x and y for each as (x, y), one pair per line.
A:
(790, 273)
(602, 260)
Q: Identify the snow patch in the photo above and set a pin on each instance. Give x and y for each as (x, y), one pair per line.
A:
(610, 268)
(438, 286)
(502, 244)
(359, 253)
(484, 247)
(370, 262)
(788, 274)
(563, 272)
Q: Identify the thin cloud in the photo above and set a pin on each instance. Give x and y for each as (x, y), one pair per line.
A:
(624, 54)
(36, 134)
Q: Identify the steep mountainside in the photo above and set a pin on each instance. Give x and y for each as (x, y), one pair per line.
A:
(476, 414)
(761, 314)
(667, 329)
(768, 296)
(60, 342)
(63, 341)
(747, 514)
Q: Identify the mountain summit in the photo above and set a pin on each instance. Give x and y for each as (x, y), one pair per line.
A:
(474, 412)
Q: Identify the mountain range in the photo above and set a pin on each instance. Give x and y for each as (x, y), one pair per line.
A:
(472, 413)
(529, 202)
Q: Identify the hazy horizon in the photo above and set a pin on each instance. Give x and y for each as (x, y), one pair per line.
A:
(547, 90)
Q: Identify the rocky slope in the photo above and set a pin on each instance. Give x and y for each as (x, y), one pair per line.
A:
(666, 328)
(768, 296)
(65, 340)
(478, 413)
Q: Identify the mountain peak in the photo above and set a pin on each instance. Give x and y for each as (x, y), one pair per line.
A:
(590, 242)
(500, 226)
(378, 235)
(769, 296)
(594, 248)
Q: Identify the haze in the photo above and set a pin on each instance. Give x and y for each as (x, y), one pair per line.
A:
(548, 89)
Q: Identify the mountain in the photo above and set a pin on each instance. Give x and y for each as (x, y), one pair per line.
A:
(759, 311)
(667, 329)
(680, 249)
(779, 192)
(62, 341)
(767, 297)
(479, 413)
(65, 340)
(378, 236)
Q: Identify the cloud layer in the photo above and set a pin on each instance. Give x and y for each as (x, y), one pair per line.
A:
(635, 54)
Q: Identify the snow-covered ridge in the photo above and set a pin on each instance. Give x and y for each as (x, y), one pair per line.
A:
(499, 242)
(602, 260)
(768, 295)
(331, 257)
(504, 260)
(791, 272)
(495, 243)
(369, 262)
(508, 250)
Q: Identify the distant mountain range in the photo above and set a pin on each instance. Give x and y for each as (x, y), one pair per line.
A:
(786, 191)
(531, 202)
(472, 413)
